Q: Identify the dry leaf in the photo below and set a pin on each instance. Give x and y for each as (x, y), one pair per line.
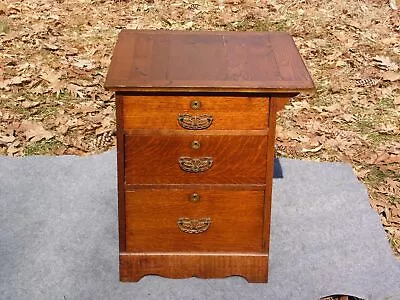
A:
(348, 117)
(387, 128)
(75, 122)
(393, 4)
(34, 131)
(313, 150)
(75, 90)
(30, 104)
(381, 158)
(56, 87)
(391, 76)
(394, 186)
(71, 52)
(341, 63)
(333, 107)
(390, 187)
(86, 64)
(362, 173)
(5, 139)
(50, 75)
(188, 25)
(3, 8)
(299, 105)
(385, 63)
(393, 158)
(395, 212)
(51, 47)
(13, 149)
(17, 80)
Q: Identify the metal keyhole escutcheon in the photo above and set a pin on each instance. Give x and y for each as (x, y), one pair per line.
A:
(194, 197)
(196, 145)
(195, 104)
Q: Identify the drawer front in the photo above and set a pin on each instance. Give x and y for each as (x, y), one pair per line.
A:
(169, 220)
(195, 113)
(201, 159)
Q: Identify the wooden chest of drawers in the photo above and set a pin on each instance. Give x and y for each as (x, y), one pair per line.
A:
(196, 116)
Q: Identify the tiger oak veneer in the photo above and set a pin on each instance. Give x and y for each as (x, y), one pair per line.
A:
(196, 115)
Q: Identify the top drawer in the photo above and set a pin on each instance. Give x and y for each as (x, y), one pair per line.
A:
(195, 112)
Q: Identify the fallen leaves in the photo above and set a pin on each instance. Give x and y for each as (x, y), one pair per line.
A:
(84, 64)
(18, 80)
(54, 58)
(393, 4)
(385, 63)
(392, 187)
(34, 131)
(5, 139)
(313, 150)
(391, 76)
(388, 128)
(30, 104)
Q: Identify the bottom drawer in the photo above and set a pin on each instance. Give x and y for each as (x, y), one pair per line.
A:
(179, 221)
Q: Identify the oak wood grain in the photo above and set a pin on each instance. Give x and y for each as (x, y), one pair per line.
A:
(252, 266)
(154, 159)
(194, 132)
(212, 186)
(120, 172)
(241, 79)
(196, 61)
(275, 104)
(152, 215)
(161, 112)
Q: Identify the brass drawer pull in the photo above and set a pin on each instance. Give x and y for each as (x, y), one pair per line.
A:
(193, 226)
(195, 165)
(190, 122)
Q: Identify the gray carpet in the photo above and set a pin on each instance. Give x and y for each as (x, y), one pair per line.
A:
(58, 237)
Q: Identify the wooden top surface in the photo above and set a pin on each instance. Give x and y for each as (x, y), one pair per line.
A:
(195, 61)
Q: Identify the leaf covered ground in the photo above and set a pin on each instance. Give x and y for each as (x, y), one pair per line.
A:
(54, 57)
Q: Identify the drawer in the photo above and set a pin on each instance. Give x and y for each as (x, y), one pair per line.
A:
(195, 113)
(169, 220)
(195, 159)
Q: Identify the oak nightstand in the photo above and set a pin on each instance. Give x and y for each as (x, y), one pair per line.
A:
(196, 116)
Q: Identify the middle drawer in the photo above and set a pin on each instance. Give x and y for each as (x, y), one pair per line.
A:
(195, 159)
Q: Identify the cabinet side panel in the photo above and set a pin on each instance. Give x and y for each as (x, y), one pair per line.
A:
(121, 171)
(273, 107)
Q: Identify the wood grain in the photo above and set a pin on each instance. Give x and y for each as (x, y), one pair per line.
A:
(194, 132)
(195, 61)
(152, 215)
(253, 267)
(240, 78)
(120, 172)
(154, 159)
(238, 187)
(275, 104)
(161, 112)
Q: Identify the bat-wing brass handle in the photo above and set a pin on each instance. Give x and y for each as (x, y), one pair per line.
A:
(193, 225)
(191, 122)
(195, 165)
